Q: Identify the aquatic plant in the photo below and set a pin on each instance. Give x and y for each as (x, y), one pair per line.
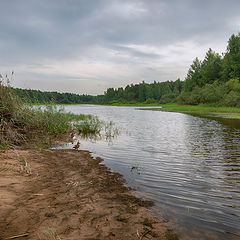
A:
(90, 125)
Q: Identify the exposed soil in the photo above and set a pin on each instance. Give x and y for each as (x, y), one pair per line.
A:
(66, 194)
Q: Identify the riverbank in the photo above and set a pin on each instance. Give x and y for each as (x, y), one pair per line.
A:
(201, 110)
(66, 194)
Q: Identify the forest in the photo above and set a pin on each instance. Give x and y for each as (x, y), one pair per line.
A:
(39, 97)
(215, 81)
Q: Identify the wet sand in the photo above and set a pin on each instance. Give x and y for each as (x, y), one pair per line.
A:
(66, 194)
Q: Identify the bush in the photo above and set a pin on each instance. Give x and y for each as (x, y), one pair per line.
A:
(232, 99)
(233, 85)
(168, 98)
(150, 100)
(210, 94)
(213, 93)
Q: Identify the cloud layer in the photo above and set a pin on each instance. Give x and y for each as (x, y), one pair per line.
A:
(87, 46)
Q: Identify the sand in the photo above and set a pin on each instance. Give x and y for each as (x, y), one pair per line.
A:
(66, 194)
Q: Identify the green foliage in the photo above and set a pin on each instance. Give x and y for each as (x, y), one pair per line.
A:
(211, 67)
(38, 97)
(194, 77)
(231, 62)
(232, 99)
(213, 93)
(209, 94)
(90, 125)
(19, 122)
(144, 93)
(215, 80)
(233, 84)
(150, 100)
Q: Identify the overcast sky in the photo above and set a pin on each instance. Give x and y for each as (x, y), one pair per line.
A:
(87, 46)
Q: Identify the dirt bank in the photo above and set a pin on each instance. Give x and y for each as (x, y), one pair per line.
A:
(66, 194)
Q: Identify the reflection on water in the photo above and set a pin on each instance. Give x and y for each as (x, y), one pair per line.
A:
(189, 166)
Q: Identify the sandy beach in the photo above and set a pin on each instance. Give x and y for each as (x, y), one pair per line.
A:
(66, 194)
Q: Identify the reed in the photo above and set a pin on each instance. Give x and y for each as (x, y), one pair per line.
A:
(20, 123)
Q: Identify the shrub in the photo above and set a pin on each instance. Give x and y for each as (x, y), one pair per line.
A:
(150, 100)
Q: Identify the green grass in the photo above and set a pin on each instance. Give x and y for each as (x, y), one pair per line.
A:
(20, 123)
(48, 234)
(225, 112)
(135, 104)
(90, 125)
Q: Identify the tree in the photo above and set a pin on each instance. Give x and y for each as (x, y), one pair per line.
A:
(142, 92)
(194, 77)
(231, 62)
(211, 67)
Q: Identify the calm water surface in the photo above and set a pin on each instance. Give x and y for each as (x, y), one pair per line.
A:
(189, 166)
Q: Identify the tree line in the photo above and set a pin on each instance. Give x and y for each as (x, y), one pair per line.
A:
(39, 97)
(214, 80)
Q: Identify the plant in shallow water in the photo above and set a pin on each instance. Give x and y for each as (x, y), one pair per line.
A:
(89, 126)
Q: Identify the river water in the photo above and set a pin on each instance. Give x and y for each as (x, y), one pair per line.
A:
(188, 166)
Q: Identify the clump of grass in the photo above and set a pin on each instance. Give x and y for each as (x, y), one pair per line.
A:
(26, 166)
(94, 129)
(49, 234)
(90, 125)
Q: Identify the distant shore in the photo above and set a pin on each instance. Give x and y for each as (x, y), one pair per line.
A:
(201, 110)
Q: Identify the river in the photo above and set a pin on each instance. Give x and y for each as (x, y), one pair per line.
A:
(188, 166)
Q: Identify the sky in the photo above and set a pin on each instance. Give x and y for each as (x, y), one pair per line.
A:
(87, 46)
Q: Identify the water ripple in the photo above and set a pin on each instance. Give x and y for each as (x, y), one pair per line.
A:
(189, 166)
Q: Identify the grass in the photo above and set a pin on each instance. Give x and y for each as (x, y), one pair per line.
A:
(20, 123)
(135, 104)
(48, 234)
(94, 129)
(224, 112)
(90, 125)
(26, 166)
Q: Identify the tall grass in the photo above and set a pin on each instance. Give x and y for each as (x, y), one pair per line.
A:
(90, 125)
(19, 122)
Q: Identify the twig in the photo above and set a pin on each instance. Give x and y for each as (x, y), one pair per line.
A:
(18, 236)
(138, 233)
(144, 234)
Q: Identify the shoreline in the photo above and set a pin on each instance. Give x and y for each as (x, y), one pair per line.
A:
(67, 194)
(204, 111)
(201, 110)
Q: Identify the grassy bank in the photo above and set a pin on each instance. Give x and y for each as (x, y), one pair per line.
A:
(135, 104)
(20, 124)
(224, 112)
